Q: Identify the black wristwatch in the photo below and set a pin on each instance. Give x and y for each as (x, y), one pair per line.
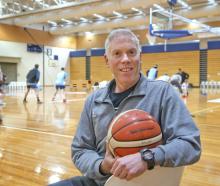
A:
(148, 156)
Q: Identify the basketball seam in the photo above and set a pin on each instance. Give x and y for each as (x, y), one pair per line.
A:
(137, 146)
(130, 124)
(147, 141)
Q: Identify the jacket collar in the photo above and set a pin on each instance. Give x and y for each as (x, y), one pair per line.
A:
(138, 91)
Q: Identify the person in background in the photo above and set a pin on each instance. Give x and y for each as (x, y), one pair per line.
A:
(33, 78)
(152, 73)
(164, 77)
(60, 84)
(175, 81)
(183, 75)
(130, 89)
(185, 88)
(2, 81)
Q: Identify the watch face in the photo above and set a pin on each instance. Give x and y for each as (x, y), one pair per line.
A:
(148, 155)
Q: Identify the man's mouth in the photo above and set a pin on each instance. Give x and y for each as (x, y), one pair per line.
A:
(127, 69)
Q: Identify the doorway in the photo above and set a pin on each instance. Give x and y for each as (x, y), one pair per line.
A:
(10, 70)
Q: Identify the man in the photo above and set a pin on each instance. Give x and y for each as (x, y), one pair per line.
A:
(175, 81)
(152, 73)
(60, 84)
(183, 74)
(33, 78)
(129, 90)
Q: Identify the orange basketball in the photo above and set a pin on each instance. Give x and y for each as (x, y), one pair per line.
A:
(131, 131)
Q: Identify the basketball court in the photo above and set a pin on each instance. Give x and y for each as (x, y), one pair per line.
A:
(35, 139)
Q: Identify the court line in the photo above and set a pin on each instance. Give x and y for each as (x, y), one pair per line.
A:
(203, 110)
(36, 131)
(214, 100)
(68, 100)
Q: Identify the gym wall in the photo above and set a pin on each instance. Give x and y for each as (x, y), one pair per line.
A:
(185, 56)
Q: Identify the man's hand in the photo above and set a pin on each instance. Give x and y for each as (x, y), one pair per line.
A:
(129, 166)
(108, 162)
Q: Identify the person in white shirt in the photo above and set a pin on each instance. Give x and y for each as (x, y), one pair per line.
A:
(175, 81)
(152, 73)
(164, 77)
(185, 87)
(60, 84)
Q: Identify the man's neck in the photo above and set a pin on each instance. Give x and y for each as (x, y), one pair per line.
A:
(119, 87)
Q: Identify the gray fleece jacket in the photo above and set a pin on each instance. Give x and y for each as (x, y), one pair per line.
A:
(181, 137)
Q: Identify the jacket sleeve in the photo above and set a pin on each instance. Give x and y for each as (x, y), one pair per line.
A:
(84, 153)
(181, 137)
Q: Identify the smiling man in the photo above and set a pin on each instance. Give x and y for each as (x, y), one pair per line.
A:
(130, 89)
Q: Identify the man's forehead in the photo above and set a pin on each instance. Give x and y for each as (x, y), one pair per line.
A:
(120, 42)
(121, 37)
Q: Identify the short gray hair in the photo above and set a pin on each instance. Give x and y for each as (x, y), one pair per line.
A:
(122, 31)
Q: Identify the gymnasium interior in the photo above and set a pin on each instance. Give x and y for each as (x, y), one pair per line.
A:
(35, 139)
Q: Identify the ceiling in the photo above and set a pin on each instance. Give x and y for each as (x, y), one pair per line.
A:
(67, 17)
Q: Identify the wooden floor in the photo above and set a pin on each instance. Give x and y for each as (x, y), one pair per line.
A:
(35, 139)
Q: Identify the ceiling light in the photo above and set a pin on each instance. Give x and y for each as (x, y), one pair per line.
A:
(99, 16)
(16, 4)
(27, 7)
(83, 19)
(117, 14)
(137, 10)
(52, 23)
(158, 7)
(89, 33)
(183, 3)
(66, 21)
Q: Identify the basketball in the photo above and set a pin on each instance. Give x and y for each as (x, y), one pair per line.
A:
(131, 131)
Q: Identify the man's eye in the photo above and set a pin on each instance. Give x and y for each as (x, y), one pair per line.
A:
(117, 54)
(132, 52)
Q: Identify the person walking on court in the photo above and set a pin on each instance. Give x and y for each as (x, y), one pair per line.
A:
(33, 78)
(130, 89)
(152, 73)
(60, 84)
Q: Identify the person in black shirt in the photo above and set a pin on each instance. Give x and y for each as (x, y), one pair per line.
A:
(183, 74)
(33, 78)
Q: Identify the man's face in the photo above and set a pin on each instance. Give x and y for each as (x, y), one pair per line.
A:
(123, 58)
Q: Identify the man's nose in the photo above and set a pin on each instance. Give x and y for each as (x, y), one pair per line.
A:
(125, 57)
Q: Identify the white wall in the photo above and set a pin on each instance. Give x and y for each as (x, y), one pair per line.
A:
(29, 59)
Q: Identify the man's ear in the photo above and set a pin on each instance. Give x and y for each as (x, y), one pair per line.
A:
(106, 60)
